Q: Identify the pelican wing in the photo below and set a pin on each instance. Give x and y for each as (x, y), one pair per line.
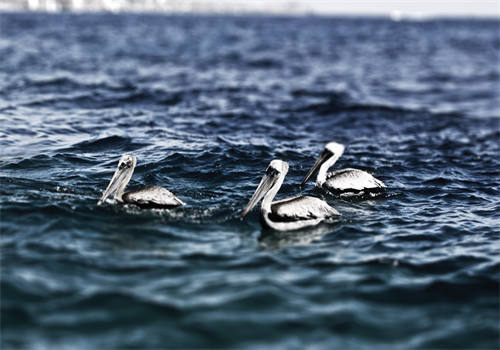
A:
(152, 196)
(352, 179)
(301, 208)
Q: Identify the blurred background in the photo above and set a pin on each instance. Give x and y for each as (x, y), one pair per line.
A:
(393, 8)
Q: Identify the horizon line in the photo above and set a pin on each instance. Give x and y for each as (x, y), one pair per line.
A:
(396, 17)
(393, 10)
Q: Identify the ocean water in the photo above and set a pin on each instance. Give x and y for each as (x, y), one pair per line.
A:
(205, 103)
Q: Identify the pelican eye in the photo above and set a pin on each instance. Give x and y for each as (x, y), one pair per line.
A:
(271, 172)
(125, 165)
(327, 152)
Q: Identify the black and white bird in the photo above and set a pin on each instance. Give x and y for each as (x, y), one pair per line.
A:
(290, 213)
(147, 197)
(344, 181)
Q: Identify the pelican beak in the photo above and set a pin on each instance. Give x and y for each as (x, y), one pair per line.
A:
(322, 158)
(265, 185)
(119, 180)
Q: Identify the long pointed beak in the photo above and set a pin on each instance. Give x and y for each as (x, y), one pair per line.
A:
(322, 158)
(265, 185)
(119, 176)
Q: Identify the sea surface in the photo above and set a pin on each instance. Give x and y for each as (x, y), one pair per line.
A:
(205, 103)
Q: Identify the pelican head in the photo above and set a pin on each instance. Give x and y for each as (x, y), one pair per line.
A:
(335, 148)
(275, 173)
(120, 179)
(331, 153)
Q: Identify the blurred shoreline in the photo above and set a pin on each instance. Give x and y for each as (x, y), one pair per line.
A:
(228, 7)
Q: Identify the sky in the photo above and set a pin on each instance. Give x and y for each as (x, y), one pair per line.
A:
(394, 8)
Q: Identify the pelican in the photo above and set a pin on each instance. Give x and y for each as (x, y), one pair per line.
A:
(147, 197)
(286, 214)
(341, 181)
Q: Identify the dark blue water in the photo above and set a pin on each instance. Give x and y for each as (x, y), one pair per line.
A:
(205, 103)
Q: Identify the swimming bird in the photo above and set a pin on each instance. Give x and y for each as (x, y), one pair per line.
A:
(342, 181)
(147, 197)
(290, 213)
